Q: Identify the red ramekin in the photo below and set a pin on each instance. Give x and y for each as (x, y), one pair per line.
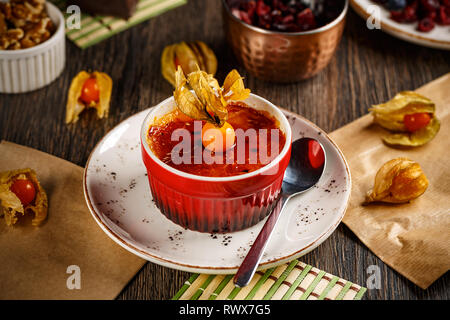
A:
(215, 204)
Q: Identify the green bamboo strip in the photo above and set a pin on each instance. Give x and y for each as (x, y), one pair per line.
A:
(280, 280)
(330, 285)
(344, 290)
(360, 293)
(246, 290)
(185, 286)
(297, 281)
(94, 19)
(131, 24)
(85, 22)
(105, 25)
(265, 287)
(202, 288)
(209, 290)
(233, 293)
(311, 287)
(258, 285)
(100, 26)
(220, 287)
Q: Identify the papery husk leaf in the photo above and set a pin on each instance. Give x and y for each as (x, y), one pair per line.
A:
(11, 206)
(199, 56)
(186, 57)
(208, 92)
(75, 106)
(234, 88)
(416, 138)
(399, 180)
(186, 101)
(168, 64)
(197, 82)
(105, 84)
(215, 106)
(191, 56)
(390, 115)
(209, 58)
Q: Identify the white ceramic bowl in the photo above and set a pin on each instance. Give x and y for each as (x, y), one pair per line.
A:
(33, 68)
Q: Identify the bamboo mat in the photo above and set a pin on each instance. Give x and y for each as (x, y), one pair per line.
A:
(293, 281)
(98, 28)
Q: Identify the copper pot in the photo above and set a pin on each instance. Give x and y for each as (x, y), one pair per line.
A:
(283, 56)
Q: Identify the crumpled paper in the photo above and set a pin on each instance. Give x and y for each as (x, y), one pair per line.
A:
(69, 256)
(412, 238)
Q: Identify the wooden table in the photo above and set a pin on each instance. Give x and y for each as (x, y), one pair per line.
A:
(368, 67)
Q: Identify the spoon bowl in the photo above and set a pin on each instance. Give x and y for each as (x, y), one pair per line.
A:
(306, 166)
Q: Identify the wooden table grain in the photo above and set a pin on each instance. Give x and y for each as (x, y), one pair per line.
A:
(368, 67)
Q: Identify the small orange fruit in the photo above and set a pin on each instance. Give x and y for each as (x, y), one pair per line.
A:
(218, 139)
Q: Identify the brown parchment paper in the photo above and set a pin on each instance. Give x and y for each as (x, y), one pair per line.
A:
(413, 238)
(34, 261)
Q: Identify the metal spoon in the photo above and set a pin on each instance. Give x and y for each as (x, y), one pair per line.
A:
(305, 168)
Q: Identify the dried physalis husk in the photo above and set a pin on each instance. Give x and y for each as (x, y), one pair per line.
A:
(11, 206)
(393, 116)
(398, 181)
(190, 56)
(186, 101)
(75, 105)
(233, 87)
(208, 101)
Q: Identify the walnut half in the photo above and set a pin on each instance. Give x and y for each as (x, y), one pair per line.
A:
(29, 24)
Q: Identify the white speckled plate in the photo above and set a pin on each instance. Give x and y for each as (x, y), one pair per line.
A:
(118, 196)
(438, 38)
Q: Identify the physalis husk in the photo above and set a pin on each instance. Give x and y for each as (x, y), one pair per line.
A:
(397, 181)
(208, 101)
(393, 114)
(11, 206)
(190, 56)
(75, 105)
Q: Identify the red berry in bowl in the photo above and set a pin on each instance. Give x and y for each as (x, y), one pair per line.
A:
(410, 14)
(262, 8)
(430, 5)
(398, 16)
(444, 16)
(306, 20)
(425, 25)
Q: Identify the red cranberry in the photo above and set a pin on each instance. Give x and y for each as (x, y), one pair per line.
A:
(262, 8)
(250, 7)
(398, 16)
(278, 4)
(245, 17)
(432, 15)
(306, 20)
(288, 19)
(430, 5)
(425, 25)
(410, 14)
(444, 17)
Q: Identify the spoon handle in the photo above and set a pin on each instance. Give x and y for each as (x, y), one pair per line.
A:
(251, 261)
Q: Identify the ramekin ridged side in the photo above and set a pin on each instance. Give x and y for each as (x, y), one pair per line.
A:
(33, 68)
(214, 214)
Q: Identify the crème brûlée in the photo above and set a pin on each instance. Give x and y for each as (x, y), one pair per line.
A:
(257, 134)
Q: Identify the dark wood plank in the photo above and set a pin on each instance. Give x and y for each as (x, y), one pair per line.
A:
(368, 67)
